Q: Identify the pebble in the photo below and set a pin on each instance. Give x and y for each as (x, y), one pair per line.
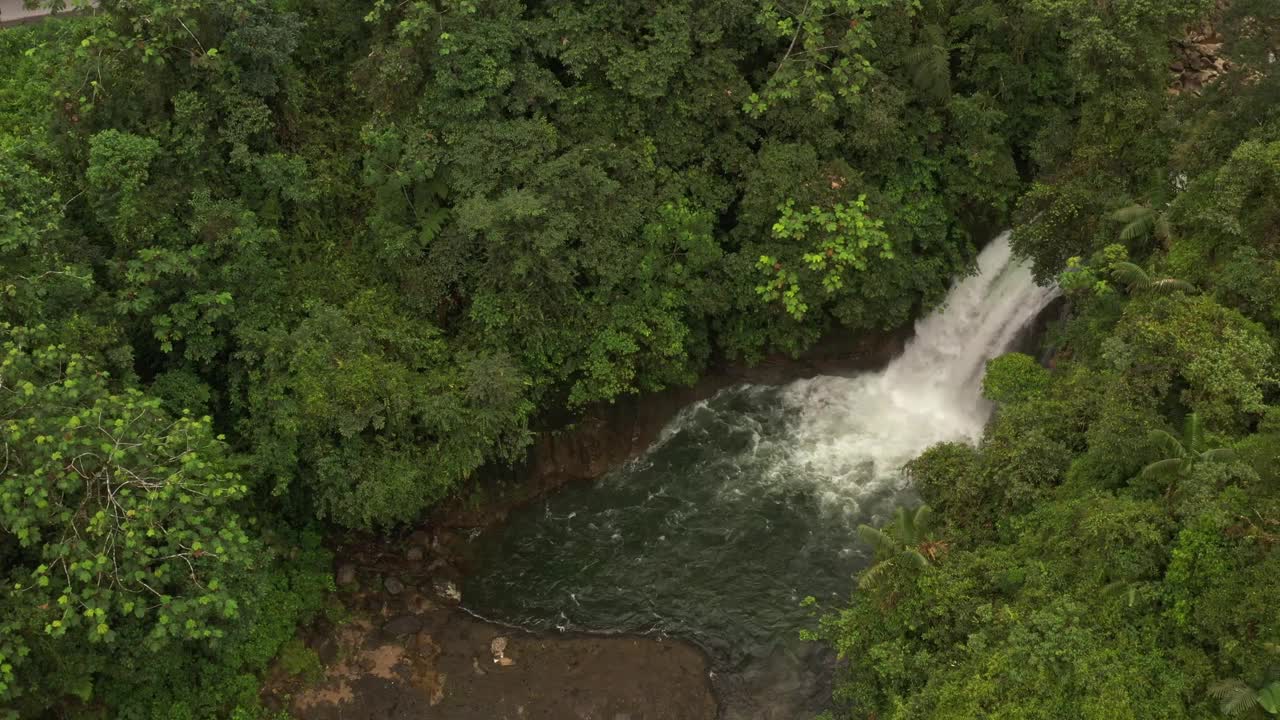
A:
(414, 554)
(393, 585)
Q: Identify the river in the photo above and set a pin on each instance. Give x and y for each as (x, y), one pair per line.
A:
(749, 501)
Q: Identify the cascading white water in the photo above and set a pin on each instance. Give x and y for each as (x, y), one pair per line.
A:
(749, 501)
(860, 430)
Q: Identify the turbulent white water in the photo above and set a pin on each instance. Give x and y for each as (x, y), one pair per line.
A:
(856, 432)
(750, 500)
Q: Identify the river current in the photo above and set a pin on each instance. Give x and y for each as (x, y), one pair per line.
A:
(749, 501)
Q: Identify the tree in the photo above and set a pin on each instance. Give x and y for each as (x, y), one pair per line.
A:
(907, 541)
(118, 523)
(1182, 455)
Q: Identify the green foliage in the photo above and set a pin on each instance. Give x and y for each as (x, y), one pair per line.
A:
(907, 543)
(1224, 361)
(377, 246)
(1101, 566)
(835, 242)
(298, 659)
(122, 536)
(1014, 377)
(824, 58)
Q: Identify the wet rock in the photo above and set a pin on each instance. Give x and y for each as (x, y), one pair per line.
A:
(420, 538)
(346, 574)
(446, 590)
(426, 645)
(403, 625)
(419, 603)
(326, 649)
(498, 646)
(414, 554)
(393, 585)
(444, 540)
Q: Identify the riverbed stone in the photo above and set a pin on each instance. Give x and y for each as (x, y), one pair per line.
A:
(403, 625)
(346, 574)
(414, 554)
(393, 585)
(446, 590)
(419, 603)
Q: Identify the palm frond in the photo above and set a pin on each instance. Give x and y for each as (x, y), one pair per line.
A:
(1130, 213)
(904, 524)
(881, 542)
(923, 523)
(1234, 697)
(1131, 275)
(1164, 229)
(872, 575)
(1167, 443)
(1172, 285)
(1160, 468)
(930, 63)
(915, 559)
(1192, 432)
(1219, 455)
(1139, 229)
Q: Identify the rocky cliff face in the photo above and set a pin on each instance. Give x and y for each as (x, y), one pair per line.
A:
(1198, 59)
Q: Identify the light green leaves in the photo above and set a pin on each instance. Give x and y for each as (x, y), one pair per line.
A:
(833, 243)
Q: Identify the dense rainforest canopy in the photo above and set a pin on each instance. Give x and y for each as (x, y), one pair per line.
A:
(274, 268)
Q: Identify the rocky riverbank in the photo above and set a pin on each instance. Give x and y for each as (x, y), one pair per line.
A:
(405, 650)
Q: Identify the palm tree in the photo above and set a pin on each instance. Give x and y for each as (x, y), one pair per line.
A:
(906, 540)
(1183, 455)
(1138, 279)
(1141, 222)
(1122, 588)
(1237, 698)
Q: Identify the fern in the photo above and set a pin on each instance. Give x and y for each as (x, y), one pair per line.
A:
(1234, 697)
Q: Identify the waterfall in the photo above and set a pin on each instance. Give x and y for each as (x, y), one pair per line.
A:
(749, 501)
(861, 430)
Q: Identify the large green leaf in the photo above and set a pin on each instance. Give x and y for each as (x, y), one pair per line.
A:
(1269, 698)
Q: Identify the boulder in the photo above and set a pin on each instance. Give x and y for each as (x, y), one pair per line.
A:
(403, 625)
(345, 575)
